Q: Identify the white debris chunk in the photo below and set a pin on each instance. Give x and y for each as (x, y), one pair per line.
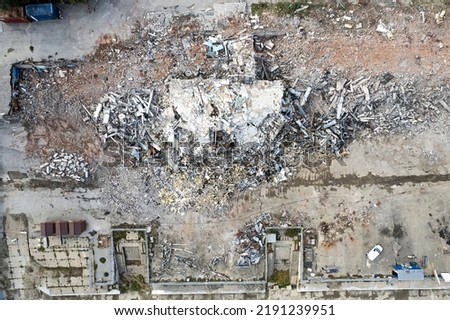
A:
(97, 111)
(66, 165)
(439, 17)
(384, 29)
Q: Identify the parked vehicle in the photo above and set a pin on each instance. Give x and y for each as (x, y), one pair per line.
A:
(374, 252)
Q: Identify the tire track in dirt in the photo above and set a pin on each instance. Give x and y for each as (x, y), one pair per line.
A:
(370, 179)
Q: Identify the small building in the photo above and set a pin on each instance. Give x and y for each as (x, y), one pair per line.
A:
(61, 228)
(408, 271)
(77, 227)
(47, 229)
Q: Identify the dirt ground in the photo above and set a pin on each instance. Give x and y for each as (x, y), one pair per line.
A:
(381, 182)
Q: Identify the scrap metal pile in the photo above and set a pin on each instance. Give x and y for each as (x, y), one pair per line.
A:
(129, 119)
(184, 264)
(250, 242)
(66, 165)
(344, 110)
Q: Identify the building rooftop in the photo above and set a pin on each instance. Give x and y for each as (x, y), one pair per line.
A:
(407, 266)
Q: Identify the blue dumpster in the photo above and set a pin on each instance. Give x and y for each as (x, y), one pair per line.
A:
(42, 12)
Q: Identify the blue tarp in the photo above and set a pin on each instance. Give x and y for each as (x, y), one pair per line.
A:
(15, 76)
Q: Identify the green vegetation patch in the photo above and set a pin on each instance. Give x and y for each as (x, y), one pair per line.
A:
(281, 277)
(281, 8)
(292, 232)
(132, 283)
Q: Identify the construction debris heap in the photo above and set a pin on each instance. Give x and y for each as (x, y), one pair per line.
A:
(64, 164)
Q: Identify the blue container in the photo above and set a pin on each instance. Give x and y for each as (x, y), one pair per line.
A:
(42, 12)
(15, 76)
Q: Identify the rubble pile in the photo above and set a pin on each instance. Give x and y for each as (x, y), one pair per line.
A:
(35, 91)
(130, 119)
(263, 43)
(353, 108)
(240, 127)
(166, 256)
(251, 240)
(196, 188)
(219, 136)
(236, 55)
(66, 165)
(177, 259)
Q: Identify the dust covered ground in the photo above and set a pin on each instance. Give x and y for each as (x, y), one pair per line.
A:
(401, 148)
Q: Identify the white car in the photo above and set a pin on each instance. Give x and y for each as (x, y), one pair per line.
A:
(374, 252)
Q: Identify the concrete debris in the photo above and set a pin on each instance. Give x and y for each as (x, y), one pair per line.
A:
(215, 46)
(129, 118)
(251, 242)
(302, 8)
(186, 262)
(236, 55)
(384, 29)
(260, 43)
(379, 105)
(219, 137)
(219, 260)
(167, 254)
(444, 105)
(439, 17)
(213, 109)
(422, 15)
(263, 43)
(66, 165)
(248, 258)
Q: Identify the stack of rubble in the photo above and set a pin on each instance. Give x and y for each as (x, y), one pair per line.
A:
(130, 119)
(166, 256)
(237, 55)
(357, 107)
(227, 136)
(251, 242)
(66, 165)
(266, 68)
